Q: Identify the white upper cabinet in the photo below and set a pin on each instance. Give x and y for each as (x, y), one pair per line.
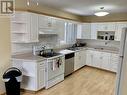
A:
(107, 26)
(24, 27)
(119, 27)
(34, 28)
(93, 30)
(84, 31)
(47, 25)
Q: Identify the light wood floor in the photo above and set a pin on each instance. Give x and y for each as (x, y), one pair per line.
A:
(86, 81)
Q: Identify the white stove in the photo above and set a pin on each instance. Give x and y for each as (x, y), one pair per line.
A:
(54, 70)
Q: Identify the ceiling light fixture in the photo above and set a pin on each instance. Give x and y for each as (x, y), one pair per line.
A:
(101, 13)
(37, 3)
(28, 3)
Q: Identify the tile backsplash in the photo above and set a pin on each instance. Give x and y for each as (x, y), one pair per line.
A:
(100, 43)
(47, 40)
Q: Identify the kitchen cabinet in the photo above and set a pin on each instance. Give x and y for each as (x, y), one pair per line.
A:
(119, 27)
(47, 25)
(97, 59)
(105, 60)
(61, 30)
(84, 31)
(93, 30)
(107, 26)
(80, 59)
(102, 60)
(114, 62)
(33, 74)
(89, 58)
(24, 27)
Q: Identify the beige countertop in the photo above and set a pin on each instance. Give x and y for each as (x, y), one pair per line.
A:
(28, 56)
(102, 49)
(31, 57)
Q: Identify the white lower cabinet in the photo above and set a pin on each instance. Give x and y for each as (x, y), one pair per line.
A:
(33, 74)
(105, 60)
(102, 60)
(80, 59)
(114, 62)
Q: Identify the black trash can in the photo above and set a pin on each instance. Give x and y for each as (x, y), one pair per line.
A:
(12, 78)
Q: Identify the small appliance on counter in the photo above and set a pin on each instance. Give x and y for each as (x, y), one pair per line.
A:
(79, 44)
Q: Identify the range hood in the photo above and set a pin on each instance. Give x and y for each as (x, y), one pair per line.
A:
(47, 32)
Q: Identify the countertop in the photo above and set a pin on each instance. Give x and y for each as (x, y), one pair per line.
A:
(102, 49)
(28, 56)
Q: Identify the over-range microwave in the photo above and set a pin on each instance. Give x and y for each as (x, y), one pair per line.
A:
(102, 35)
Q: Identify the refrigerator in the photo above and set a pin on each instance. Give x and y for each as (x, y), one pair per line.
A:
(121, 82)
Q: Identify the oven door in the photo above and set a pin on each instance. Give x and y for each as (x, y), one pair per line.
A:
(55, 67)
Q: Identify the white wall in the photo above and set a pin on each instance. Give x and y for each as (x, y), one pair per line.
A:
(4, 48)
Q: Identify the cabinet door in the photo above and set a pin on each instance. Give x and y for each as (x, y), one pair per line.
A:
(89, 58)
(114, 62)
(77, 61)
(83, 58)
(79, 31)
(86, 31)
(41, 75)
(93, 30)
(33, 27)
(44, 21)
(97, 59)
(107, 26)
(111, 26)
(101, 27)
(120, 26)
(105, 63)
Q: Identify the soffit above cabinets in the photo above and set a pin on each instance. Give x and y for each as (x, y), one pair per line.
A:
(86, 7)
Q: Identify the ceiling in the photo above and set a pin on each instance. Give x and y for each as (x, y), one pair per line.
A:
(87, 7)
